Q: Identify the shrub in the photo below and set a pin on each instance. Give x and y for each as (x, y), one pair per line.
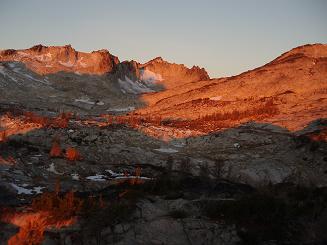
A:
(55, 150)
(72, 154)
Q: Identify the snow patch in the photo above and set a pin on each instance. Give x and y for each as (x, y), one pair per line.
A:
(216, 98)
(97, 177)
(52, 169)
(23, 190)
(114, 174)
(75, 177)
(66, 64)
(125, 109)
(149, 76)
(18, 70)
(99, 103)
(85, 100)
(134, 87)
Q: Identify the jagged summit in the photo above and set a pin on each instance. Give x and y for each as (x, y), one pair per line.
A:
(158, 59)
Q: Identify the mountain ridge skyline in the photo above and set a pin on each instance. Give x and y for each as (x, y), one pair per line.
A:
(240, 35)
(158, 57)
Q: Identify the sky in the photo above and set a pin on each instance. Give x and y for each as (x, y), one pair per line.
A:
(225, 37)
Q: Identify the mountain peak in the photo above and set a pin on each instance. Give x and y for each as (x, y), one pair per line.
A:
(158, 59)
(51, 59)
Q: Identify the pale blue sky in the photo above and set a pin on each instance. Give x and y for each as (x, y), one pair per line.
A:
(226, 37)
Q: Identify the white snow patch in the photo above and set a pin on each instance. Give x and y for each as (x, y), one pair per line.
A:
(85, 100)
(100, 103)
(149, 76)
(52, 169)
(114, 174)
(97, 177)
(125, 109)
(216, 98)
(167, 150)
(75, 176)
(66, 64)
(134, 87)
(22, 190)
(18, 70)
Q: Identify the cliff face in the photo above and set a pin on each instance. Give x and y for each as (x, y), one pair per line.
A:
(45, 60)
